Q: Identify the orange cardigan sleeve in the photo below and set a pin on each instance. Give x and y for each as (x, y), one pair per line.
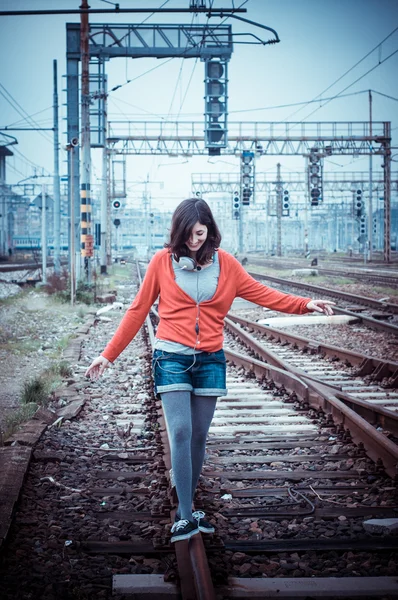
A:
(136, 313)
(254, 291)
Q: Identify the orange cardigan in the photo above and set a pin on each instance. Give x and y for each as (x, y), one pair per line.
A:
(178, 311)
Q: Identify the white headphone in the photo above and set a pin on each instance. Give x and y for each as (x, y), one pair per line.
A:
(187, 264)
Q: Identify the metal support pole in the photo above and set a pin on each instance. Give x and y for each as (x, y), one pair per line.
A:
(278, 211)
(145, 203)
(4, 221)
(306, 251)
(370, 204)
(104, 198)
(240, 227)
(108, 213)
(104, 205)
(72, 107)
(86, 237)
(72, 151)
(57, 201)
(43, 234)
(267, 222)
(387, 194)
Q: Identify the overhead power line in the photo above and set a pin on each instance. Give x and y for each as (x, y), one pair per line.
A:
(21, 111)
(183, 53)
(348, 71)
(351, 84)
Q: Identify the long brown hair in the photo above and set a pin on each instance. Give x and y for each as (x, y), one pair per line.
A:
(185, 216)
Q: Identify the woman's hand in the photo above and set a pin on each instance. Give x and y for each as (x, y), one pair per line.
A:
(97, 367)
(322, 306)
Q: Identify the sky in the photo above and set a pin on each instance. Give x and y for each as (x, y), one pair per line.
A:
(320, 41)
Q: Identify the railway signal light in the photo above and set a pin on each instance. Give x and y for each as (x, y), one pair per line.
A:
(247, 176)
(117, 222)
(151, 216)
(375, 225)
(215, 105)
(358, 204)
(362, 224)
(315, 184)
(116, 204)
(285, 204)
(236, 206)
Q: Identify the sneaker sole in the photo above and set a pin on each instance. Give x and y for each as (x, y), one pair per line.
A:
(184, 536)
(206, 530)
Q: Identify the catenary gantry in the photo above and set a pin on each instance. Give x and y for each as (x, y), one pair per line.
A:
(349, 181)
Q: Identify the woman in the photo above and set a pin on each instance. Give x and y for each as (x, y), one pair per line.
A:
(197, 282)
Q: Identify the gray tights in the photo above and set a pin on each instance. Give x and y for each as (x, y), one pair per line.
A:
(188, 419)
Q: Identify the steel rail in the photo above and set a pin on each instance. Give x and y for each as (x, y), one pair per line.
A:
(362, 275)
(9, 267)
(371, 302)
(193, 568)
(318, 395)
(374, 414)
(368, 365)
(368, 321)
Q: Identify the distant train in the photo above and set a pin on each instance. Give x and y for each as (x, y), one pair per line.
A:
(25, 242)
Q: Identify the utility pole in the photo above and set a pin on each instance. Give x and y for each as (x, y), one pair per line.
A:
(146, 202)
(278, 211)
(71, 150)
(56, 191)
(370, 205)
(86, 238)
(104, 198)
(306, 252)
(43, 234)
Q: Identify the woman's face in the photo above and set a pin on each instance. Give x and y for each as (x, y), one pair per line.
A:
(197, 238)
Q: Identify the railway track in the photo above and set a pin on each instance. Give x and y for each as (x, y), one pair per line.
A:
(368, 385)
(365, 274)
(355, 302)
(287, 483)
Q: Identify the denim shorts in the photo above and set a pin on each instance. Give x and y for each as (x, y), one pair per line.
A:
(203, 373)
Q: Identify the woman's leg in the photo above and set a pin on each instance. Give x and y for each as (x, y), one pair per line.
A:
(177, 410)
(202, 411)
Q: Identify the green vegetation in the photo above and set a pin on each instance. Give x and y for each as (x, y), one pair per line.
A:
(13, 421)
(119, 273)
(35, 393)
(38, 389)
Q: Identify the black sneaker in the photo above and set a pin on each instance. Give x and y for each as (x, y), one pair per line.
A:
(204, 526)
(183, 530)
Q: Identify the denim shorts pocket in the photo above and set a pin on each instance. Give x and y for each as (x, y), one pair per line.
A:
(218, 357)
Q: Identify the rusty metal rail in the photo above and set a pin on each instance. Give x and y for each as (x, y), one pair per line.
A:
(363, 275)
(369, 302)
(318, 395)
(377, 368)
(374, 414)
(193, 569)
